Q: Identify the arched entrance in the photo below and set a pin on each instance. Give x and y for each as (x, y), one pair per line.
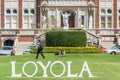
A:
(9, 42)
(71, 19)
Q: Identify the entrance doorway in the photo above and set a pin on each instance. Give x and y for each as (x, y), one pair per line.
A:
(9, 42)
(71, 19)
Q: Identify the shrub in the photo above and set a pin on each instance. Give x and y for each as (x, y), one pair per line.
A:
(66, 38)
(69, 49)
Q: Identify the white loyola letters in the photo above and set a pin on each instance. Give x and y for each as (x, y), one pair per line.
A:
(50, 65)
(86, 68)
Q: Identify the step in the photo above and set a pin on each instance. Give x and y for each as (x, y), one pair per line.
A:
(21, 46)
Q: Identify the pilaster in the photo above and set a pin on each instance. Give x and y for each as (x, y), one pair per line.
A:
(20, 13)
(115, 16)
(2, 13)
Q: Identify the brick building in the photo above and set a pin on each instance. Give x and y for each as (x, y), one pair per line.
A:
(21, 21)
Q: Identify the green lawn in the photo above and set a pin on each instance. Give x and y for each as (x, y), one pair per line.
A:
(105, 67)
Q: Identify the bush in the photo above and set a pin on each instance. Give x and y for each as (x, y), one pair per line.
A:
(69, 49)
(66, 38)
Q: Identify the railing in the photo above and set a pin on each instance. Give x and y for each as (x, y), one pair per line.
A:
(8, 32)
(67, 2)
(22, 31)
(104, 31)
(107, 31)
(27, 32)
(118, 30)
(93, 31)
(18, 31)
(41, 31)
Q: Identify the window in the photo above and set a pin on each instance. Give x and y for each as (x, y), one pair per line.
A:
(119, 21)
(11, 22)
(32, 11)
(29, 17)
(106, 10)
(26, 22)
(8, 11)
(109, 21)
(109, 11)
(82, 20)
(102, 22)
(8, 22)
(14, 11)
(11, 16)
(102, 11)
(119, 11)
(26, 11)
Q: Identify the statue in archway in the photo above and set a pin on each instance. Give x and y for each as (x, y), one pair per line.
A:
(90, 22)
(44, 23)
(66, 19)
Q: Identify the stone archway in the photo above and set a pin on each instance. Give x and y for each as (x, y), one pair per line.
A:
(71, 20)
(8, 42)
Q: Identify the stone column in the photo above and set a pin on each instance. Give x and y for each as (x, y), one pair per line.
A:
(78, 18)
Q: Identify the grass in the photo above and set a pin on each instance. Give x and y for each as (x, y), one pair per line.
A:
(105, 67)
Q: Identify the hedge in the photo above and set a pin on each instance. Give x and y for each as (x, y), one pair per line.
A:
(69, 49)
(66, 38)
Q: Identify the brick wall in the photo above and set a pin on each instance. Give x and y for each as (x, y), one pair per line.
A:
(26, 39)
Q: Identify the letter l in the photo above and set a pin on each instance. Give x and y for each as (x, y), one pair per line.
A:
(13, 70)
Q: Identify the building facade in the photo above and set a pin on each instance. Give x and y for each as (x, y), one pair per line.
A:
(24, 20)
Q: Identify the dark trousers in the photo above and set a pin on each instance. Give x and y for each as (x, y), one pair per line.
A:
(40, 52)
(12, 54)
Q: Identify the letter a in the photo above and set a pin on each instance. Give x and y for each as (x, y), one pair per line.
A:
(86, 68)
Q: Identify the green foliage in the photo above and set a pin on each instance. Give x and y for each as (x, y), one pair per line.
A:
(69, 49)
(66, 38)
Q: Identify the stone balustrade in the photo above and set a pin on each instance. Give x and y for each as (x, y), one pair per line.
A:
(8, 32)
(26, 32)
(42, 31)
(67, 2)
(106, 31)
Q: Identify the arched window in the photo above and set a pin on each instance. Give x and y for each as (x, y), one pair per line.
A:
(119, 11)
(14, 11)
(8, 11)
(32, 11)
(109, 11)
(103, 11)
(26, 11)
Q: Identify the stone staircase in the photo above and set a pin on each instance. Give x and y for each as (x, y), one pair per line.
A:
(21, 46)
(107, 44)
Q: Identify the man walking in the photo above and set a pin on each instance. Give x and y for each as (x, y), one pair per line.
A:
(39, 50)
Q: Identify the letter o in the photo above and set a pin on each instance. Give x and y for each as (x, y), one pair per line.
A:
(53, 65)
(29, 62)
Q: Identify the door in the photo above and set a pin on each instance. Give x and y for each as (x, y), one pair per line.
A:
(8, 42)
